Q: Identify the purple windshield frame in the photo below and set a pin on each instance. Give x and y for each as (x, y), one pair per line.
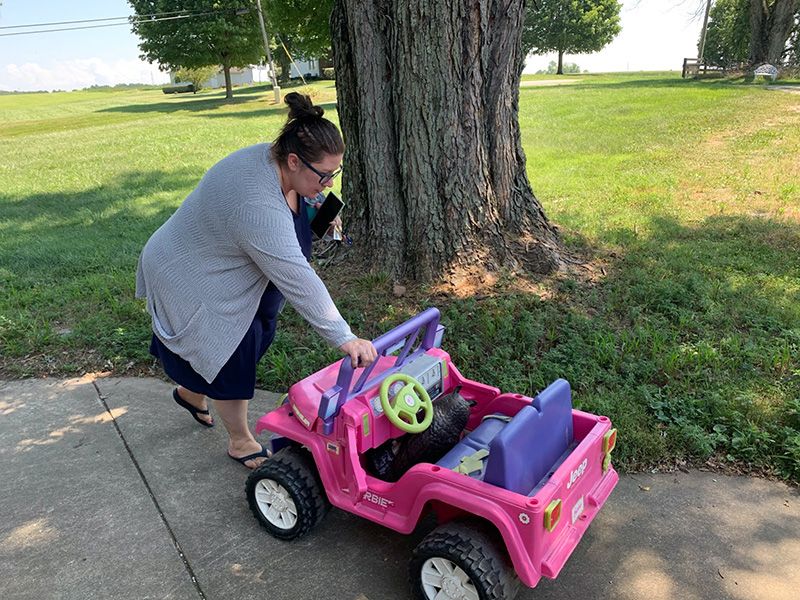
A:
(340, 393)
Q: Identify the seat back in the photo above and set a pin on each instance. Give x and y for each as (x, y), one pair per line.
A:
(525, 450)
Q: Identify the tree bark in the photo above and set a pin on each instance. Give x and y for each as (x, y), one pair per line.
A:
(560, 70)
(228, 88)
(435, 174)
(770, 26)
(285, 64)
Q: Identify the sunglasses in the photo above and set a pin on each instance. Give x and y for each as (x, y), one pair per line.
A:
(324, 178)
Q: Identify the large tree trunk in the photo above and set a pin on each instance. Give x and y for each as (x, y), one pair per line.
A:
(560, 70)
(435, 173)
(771, 23)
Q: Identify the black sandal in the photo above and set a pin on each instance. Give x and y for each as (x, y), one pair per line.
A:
(194, 411)
(243, 459)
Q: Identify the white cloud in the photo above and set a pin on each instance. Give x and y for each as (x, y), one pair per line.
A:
(77, 73)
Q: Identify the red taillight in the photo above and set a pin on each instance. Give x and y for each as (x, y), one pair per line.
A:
(609, 441)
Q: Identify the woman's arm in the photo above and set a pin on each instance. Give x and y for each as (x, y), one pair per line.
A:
(267, 236)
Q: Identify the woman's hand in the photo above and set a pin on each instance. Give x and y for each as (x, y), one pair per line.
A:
(335, 229)
(362, 353)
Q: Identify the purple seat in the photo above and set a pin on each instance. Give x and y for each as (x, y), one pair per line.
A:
(538, 436)
(478, 439)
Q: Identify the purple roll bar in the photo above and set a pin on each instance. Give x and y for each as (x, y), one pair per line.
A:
(340, 393)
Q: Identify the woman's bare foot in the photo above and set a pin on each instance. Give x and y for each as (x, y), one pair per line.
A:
(198, 401)
(241, 443)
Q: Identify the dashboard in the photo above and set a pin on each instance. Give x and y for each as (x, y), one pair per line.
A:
(428, 370)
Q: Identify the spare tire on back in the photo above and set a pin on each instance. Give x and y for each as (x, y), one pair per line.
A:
(450, 414)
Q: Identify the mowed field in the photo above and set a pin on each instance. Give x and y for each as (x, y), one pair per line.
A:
(683, 198)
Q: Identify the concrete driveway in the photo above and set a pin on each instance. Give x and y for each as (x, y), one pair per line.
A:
(111, 491)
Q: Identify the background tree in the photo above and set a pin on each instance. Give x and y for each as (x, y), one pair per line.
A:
(218, 35)
(435, 174)
(196, 76)
(793, 55)
(771, 22)
(304, 28)
(552, 68)
(570, 27)
(754, 31)
(728, 37)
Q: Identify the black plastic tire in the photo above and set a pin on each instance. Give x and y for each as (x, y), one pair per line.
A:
(450, 415)
(290, 472)
(473, 550)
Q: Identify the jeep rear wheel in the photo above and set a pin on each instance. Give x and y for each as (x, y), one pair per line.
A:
(285, 495)
(460, 562)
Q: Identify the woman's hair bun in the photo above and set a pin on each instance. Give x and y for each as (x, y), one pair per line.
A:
(301, 107)
(306, 132)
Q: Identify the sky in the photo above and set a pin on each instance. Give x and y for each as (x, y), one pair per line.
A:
(656, 35)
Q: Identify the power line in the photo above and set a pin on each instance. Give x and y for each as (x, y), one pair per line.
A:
(62, 29)
(62, 23)
(111, 24)
(174, 12)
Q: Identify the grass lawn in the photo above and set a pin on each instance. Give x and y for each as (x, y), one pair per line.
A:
(683, 326)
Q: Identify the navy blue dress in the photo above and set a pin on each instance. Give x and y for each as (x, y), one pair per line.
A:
(237, 378)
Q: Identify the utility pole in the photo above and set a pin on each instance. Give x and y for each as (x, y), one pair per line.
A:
(265, 35)
(703, 33)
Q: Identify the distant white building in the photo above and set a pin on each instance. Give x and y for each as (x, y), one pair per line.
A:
(299, 67)
(256, 74)
(238, 77)
(307, 67)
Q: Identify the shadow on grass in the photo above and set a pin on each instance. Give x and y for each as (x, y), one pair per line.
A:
(752, 244)
(272, 108)
(212, 108)
(649, 83)
(55, 236)
(251, 96)
(204, 103)
(692, 341)
(245, 91)
(266, 88)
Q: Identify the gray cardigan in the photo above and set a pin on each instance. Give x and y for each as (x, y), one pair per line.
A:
(203, 271)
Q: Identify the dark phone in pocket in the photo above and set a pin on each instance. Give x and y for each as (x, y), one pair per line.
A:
(326, 213)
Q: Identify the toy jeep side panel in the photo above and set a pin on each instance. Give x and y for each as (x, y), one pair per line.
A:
(427, 486)
(334, 460)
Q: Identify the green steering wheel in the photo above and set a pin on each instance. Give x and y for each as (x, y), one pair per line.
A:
(413, 397)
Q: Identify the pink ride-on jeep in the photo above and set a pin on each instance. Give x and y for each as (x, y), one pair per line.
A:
(513, 493)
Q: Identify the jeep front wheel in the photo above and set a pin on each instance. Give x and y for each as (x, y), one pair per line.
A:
(285, 495)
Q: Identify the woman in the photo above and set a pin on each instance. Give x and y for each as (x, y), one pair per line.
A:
(216, 273)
